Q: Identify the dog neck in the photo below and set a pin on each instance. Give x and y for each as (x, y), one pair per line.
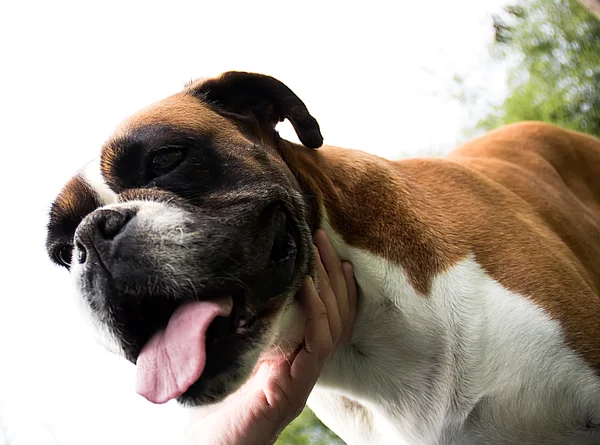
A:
(372, 204)
(365, 204)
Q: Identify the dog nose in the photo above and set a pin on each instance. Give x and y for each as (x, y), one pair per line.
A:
(110, 222)
(99, 229)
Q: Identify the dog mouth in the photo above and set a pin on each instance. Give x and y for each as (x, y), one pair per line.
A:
(175, 356)
(176, 341)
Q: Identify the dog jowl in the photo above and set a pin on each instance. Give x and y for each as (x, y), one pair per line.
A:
(189, 240)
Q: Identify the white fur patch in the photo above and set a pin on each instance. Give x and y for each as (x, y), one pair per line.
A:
(92, 175)
(156, 217)
(471, 363)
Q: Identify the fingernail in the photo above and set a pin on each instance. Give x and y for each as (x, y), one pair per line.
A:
(323, 233)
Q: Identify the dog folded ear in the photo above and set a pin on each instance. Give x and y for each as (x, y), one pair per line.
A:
(261, 97)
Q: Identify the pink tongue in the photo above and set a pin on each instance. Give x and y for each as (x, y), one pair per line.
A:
(174, 357)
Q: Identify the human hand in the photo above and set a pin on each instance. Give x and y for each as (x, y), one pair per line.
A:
(277, 390)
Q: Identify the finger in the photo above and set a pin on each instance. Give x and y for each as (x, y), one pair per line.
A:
(328, 255)
(287, 386)
(318, 344)
(352, 290)
(333, 266)
(328, 296)
(317, 335)
(351, 287)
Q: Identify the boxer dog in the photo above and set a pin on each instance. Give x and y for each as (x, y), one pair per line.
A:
(478, 319)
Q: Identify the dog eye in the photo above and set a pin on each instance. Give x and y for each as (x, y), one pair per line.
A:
(63, 255)
(164, 161)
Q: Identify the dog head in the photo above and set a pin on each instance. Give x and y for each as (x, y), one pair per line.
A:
(189, 239)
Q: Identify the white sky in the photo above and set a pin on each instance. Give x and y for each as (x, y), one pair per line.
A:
(376, 75)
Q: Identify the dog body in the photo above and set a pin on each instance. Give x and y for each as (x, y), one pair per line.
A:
(478, 274)
(498, 345)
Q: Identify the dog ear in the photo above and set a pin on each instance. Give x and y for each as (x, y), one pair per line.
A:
(264, 98)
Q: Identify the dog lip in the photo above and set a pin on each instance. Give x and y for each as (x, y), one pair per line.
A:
(157, 310)
(243, 314)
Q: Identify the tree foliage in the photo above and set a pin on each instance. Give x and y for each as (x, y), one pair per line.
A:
(306, 429)
(554, 51)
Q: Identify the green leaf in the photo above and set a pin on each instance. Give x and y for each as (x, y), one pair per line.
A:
(306, 429)
(556, 76)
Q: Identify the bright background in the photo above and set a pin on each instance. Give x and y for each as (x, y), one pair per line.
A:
(378, 76)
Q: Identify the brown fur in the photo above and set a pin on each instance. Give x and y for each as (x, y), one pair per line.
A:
(74, 202)
(524, 200)
(69, 201)
(181, 110)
